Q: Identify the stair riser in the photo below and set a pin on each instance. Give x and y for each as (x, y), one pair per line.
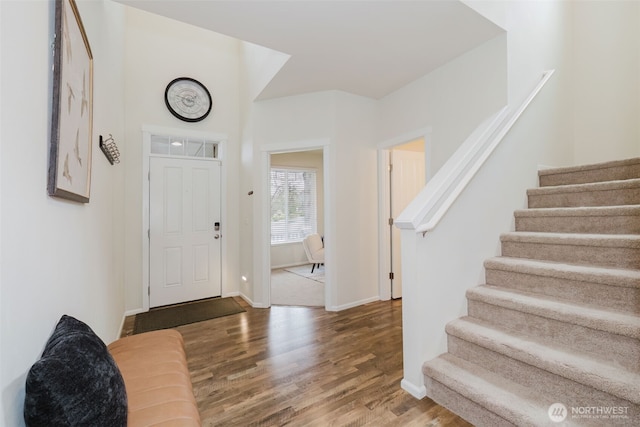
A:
(619, 298)
(460, 405)
(555, 388)
(607, 224)
(602, 256)
(624, 196)
(621, 350)
(594, 175)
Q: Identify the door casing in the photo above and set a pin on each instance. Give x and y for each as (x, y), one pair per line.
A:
(262, 257)
(147, 132)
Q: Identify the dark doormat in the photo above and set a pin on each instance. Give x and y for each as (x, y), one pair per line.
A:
(183, 314)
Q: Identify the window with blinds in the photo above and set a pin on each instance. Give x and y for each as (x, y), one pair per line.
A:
(293, 204)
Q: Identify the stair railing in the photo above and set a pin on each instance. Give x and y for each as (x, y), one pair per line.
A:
(425, 212)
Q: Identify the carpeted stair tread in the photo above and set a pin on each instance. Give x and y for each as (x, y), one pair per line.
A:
(580, 211)
(603, 333)
(602, 320)
(607, 288)
(608, 193)
(509, 400)
(582, 188)
(591, 166)
(600, 240)
(604, 250)
(623, 277)
(624, 219)
(616, 381)
(603, 171)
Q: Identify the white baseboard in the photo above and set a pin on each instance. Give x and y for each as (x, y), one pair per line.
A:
(353, 304)
(250, 301)
(124, 316)
(134, 312)
(231, 294)
(418, 392)
(276, 267)
(119, 333)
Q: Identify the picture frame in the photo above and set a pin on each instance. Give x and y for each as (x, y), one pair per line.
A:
(70, 145)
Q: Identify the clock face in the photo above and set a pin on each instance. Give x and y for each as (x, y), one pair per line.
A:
(188, 99)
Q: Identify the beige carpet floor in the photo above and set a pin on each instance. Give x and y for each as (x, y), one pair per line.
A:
(289, 288)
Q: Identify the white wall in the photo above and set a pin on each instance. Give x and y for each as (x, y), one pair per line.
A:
(260, 65)
(353, 231)
(157, 51)
(347, 123)
(257, 66)
(449, 259)
(606, 54)
(276, 125)
(57, 257)
(452, 100)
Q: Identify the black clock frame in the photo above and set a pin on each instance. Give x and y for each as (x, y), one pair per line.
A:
(178, 115)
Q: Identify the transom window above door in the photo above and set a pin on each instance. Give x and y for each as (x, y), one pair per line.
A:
(184, 147)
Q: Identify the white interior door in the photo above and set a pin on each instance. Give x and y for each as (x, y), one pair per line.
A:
(184, 245)
(407, 179)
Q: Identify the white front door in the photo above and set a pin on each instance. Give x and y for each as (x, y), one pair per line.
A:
(407, 179)
(184, 230)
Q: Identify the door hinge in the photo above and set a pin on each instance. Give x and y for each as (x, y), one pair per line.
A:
(390, 221)
(390, 167)
(149, 233)
(391, 275)
(149, 291)
(149, 176)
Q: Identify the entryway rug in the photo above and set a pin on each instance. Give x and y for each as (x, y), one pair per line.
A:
(183, 314)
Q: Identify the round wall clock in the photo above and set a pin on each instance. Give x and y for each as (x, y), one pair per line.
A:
(188, 99)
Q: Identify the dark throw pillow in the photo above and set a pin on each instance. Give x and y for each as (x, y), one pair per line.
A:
(76, 382)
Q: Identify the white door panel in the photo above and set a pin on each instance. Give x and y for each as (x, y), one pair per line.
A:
(184, 247)
(407, 179)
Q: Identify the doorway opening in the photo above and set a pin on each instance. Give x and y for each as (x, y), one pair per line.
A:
(296, 212)
(403, 172)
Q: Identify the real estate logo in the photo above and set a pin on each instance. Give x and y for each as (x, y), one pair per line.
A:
(557, 412)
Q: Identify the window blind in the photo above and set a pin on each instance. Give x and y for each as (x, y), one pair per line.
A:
(293, 204)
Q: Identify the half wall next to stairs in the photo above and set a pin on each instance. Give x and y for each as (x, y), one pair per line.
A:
(558, 318)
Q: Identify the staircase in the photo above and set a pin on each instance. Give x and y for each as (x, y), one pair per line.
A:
(558, 320)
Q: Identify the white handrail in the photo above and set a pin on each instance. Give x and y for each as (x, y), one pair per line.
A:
(425, 212)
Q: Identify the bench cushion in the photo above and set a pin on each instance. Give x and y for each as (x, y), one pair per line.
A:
(156, 376)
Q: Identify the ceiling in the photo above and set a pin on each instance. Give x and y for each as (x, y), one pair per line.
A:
(367, 48)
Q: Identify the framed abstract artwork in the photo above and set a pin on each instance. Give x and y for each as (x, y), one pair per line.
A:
(72, 107)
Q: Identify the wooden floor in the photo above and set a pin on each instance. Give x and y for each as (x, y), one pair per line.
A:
(303, 366)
